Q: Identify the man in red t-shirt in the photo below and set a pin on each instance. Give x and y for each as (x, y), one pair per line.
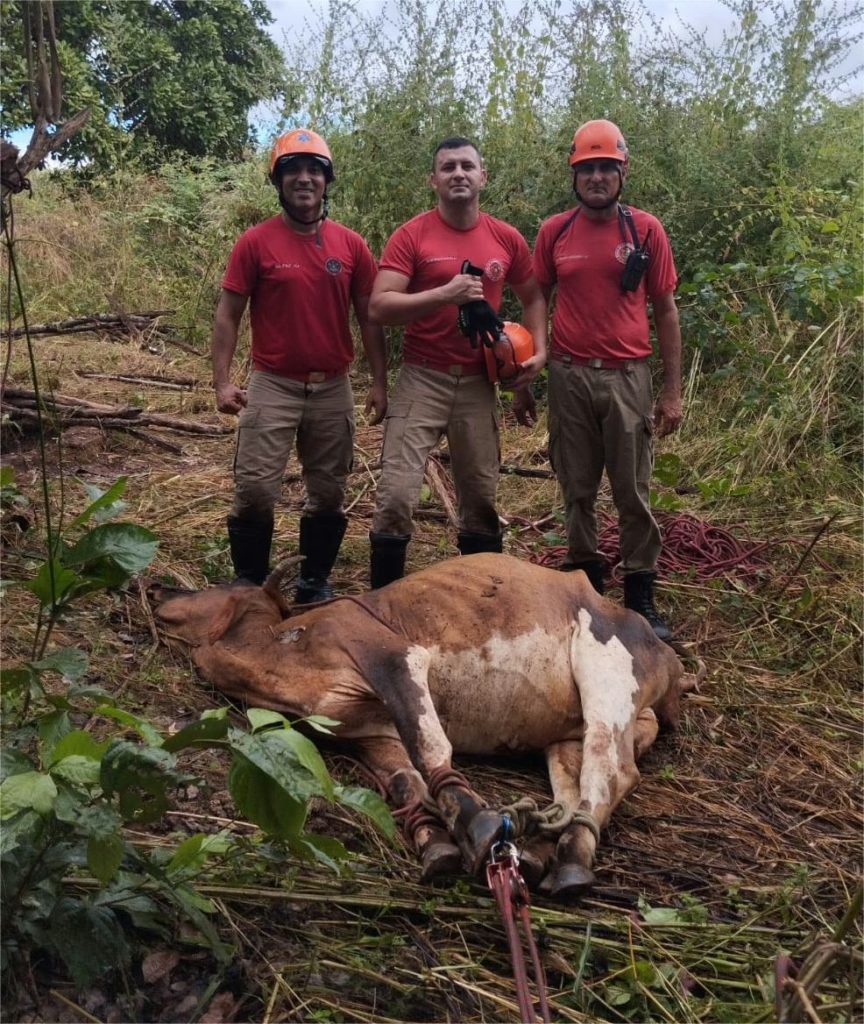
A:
(300, 274)
(605, 262)
(443, 387)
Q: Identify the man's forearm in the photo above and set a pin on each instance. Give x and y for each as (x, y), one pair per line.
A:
(669, 343)
(534, 318)
(397, 308)
(222, 348)
(375, 347)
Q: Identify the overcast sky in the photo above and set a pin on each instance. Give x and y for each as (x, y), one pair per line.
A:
(709, 16)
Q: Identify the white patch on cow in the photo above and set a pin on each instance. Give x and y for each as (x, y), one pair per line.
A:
(435, 747)
(509, 693)
(608, 686)
(604, 674)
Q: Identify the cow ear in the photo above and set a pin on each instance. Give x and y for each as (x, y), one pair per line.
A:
(227, 615)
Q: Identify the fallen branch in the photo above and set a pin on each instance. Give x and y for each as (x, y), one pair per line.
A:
(96, 322)
(115, 327)
(20, 404)
(147, 379)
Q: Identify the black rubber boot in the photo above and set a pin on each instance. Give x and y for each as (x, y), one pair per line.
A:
(477, 543)
(594, 570)
(639, 596)
(320, 538)
(249, 540)
(386, 558)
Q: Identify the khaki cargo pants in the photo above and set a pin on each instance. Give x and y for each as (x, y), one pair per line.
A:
(321, 418)
(604, 418)
(427, 404)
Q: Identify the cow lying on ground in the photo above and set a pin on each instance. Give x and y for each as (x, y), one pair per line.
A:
(483, 654)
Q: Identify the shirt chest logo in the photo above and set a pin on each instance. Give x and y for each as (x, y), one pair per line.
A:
(333, 266)
(622, 251)
(494, 270)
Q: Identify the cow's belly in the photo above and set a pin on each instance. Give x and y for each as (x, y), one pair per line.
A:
(509, 694)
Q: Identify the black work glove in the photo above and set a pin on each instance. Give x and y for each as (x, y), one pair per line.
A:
(477, 320)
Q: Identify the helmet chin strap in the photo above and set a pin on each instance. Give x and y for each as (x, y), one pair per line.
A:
(325, 209)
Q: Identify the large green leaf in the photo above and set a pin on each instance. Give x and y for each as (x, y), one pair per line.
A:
(278, 757)
(27, 791)
(113, 552)
(307, 755)
(70, 662)
(261, 718)
(261, 799)
(204, 732)
(80, 743)
(13, 762)
(144, 729)
(369, 804)
(40, 585)
(319, 849)
(17, 831)
(104, 857)
(99, 821)
(125, 893)
(141, 776)
(77, 771)
(88, 938)
(16, 680)
(193, 852)
(52, 728)
(104, 505)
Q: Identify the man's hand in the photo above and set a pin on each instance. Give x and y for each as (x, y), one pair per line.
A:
(527, 372)
(668, 412)
(376, 404)
(477, 320)
(230, 398)
(524, 407)
(462, 288)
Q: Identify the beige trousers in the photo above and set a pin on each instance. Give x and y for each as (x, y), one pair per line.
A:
(426, 405)
(604, 418)
(319, 416)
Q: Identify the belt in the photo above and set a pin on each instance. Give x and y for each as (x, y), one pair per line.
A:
(596, 364)
(315, 377)
(454, 369)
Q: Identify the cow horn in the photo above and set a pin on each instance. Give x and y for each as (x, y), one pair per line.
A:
(273, 584)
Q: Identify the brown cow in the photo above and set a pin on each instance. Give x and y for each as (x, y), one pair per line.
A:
(483, 654)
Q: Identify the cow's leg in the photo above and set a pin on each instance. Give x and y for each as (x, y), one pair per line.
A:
(571, 871)
(400, 677)
(593, 780)
(389, 762)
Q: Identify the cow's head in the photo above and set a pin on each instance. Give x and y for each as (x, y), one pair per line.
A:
(236, 613)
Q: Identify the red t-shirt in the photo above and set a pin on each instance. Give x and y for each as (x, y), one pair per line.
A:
(430, 252)
(300, 294)
(593, 317)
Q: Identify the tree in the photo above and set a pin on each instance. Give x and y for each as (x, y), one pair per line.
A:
(161, 76)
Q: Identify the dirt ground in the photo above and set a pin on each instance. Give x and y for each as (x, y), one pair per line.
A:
(745, 830)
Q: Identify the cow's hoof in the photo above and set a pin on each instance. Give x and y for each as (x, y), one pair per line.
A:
(481, 835)
(440, 858)
(535, 859)
(571, 881)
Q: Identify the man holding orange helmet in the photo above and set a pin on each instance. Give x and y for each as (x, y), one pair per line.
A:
(301, 274)
(442, 275)
(605, 262)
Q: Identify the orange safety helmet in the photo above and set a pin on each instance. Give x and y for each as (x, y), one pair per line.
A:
(301, 142)
(504, 359)
(599, 140)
